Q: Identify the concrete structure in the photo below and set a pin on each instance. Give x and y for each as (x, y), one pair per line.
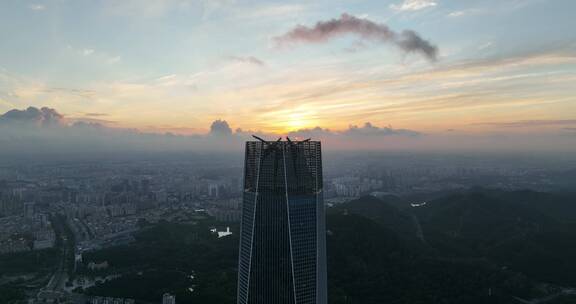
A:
(168, 299)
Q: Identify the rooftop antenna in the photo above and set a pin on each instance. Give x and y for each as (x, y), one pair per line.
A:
(294, 154)
(290, 141)
(265, 141)
(258, 138)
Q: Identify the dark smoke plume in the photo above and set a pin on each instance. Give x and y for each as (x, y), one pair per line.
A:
(409, 41)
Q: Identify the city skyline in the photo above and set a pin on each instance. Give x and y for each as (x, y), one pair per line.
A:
(464, 70)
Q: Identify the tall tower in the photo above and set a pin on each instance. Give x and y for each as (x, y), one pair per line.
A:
(283, 236)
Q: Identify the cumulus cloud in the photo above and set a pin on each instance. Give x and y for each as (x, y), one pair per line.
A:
(44, 130)
(407, 40)
(370, 130)
(41, 117)
(44, 134)
(413, 5)
(353, 131)
(220, 128)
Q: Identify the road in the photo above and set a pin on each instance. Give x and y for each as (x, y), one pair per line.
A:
(54, 289)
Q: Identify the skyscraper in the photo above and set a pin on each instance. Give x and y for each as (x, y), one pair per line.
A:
(168, 299)
(283, 239)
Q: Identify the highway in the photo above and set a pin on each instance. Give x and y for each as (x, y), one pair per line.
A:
(54, 289)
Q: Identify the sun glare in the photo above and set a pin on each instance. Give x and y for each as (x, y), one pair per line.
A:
(297, 121)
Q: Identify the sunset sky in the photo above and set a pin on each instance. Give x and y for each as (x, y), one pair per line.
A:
(485, 66)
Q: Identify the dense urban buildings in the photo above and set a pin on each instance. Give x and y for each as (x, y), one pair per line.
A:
(282, 246)
(84, 212)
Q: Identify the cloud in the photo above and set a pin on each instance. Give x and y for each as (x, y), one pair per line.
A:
(368, 130)
(247, 59)
(87, 52)
(531, 123)
(329, 95)
(220, 128)
(44, 134)
(47, 118)
(95, 114)
(467, 12)
(33, 116)
(114, 59)
(101, 122)
(99, 55)
(487, 83)
(413, 5)
(28, 126)
(457, 14)
(37, 7)
(408, 40)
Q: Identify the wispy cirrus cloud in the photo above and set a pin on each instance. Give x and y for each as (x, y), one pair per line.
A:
(96, 114)
(494, 85)
(94, 54)
(531, 123)
(247, 59)
(323, 31)
(413, 5)
(90, 120)
(324, 94)
(466, 12)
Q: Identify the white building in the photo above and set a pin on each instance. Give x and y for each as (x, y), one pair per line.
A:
(168, 299)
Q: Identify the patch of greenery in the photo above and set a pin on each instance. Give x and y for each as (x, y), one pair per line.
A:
(164, 257)
(476, 248)
(10, 294)
(30, 261)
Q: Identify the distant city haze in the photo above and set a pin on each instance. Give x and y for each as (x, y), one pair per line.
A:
(45, 133)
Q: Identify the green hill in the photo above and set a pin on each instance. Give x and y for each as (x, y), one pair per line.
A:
(478, 246)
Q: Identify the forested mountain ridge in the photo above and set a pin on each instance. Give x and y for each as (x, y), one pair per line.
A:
(476, 246)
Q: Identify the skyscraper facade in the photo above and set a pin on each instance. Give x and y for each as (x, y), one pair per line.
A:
(168, 299)
(283, 239)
